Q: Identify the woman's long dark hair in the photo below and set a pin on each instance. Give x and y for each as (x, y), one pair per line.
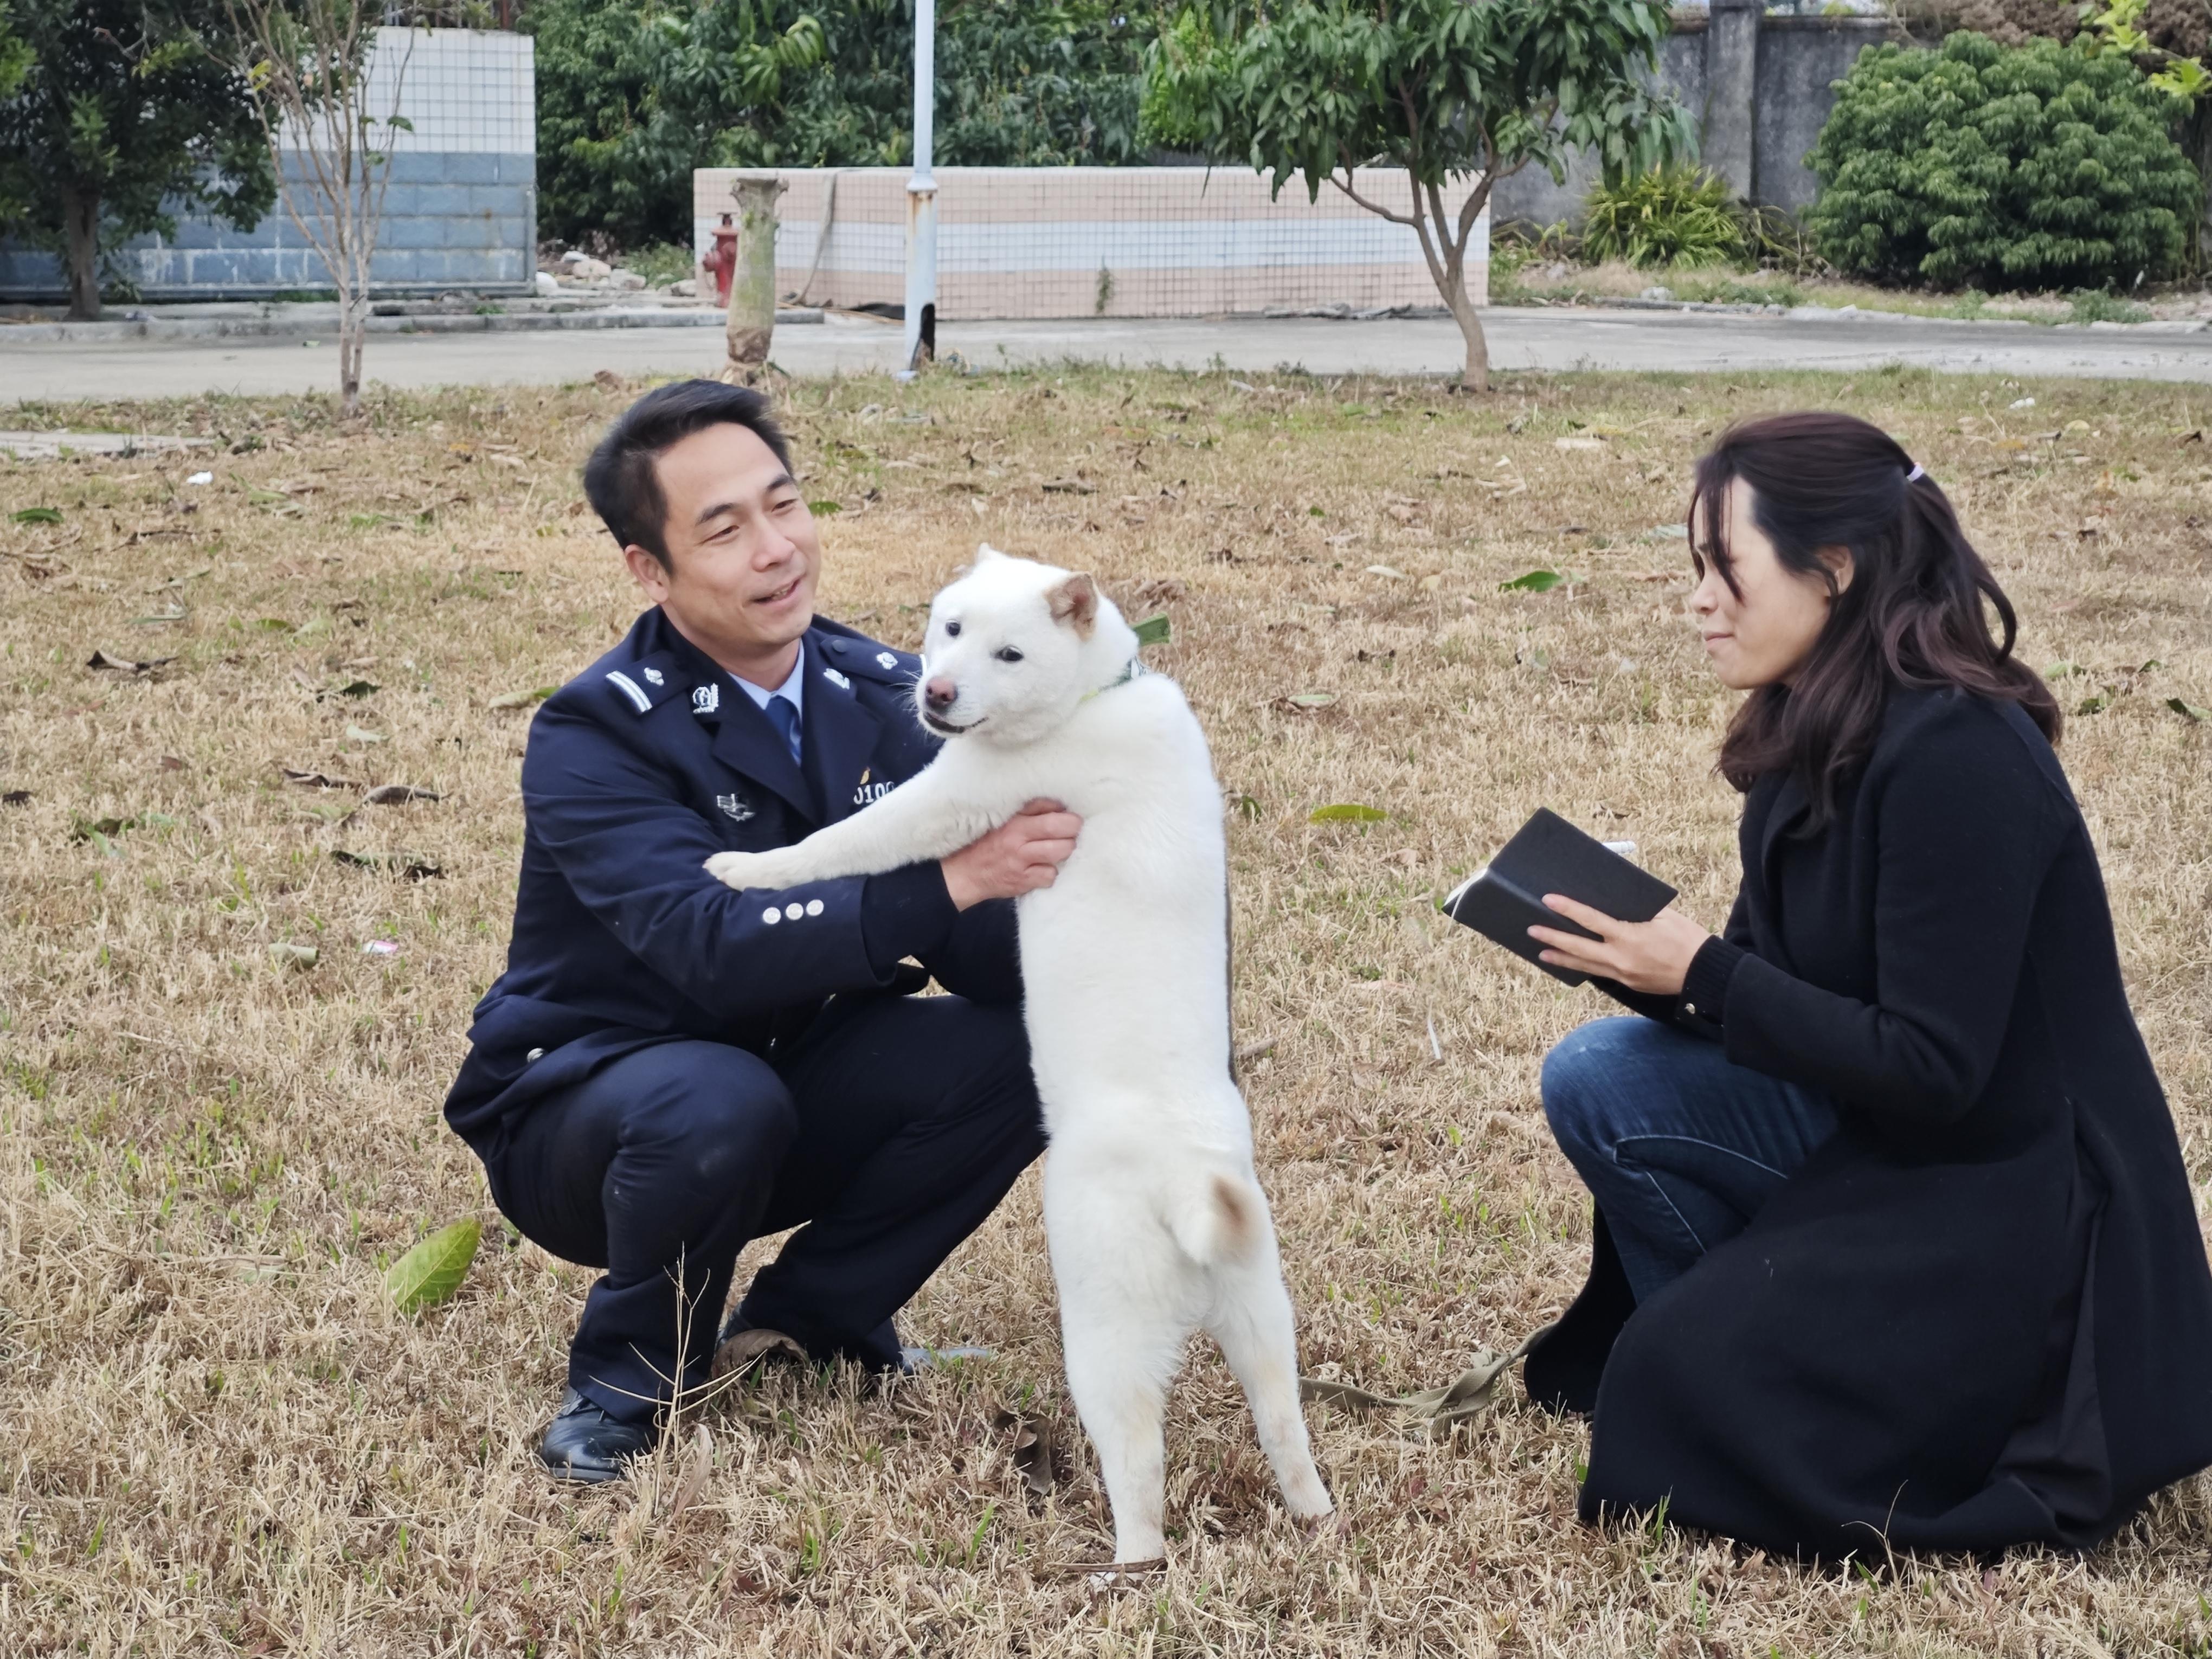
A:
(1912, 615)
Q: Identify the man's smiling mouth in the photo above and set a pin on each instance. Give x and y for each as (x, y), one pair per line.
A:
(780, 594)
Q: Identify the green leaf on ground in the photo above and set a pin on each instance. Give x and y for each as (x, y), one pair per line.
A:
(2188, 711)
(1347, 812)
(1534, 581)
(523, 699)
(1155, 630)
(433, 1269)
(294, 956)
(38, 516)
(822, 509)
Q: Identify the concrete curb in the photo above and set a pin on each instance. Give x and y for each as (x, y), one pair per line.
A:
(217, 328)
(1855, 314)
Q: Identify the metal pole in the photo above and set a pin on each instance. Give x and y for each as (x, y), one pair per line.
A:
(921, 198)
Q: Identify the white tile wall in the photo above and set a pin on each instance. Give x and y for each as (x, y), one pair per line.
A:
(463, 89)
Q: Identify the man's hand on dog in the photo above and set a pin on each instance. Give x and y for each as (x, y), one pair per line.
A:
(1021, 856)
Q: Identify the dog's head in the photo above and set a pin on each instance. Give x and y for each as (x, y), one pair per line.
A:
(1014, 647)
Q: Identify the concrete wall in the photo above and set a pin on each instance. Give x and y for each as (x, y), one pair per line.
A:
(1098, 241)
(461, 211)
(1757, 120)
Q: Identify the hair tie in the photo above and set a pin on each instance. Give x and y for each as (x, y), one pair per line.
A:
(1916, 474)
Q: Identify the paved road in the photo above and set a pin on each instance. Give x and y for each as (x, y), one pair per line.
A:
(1551, 339)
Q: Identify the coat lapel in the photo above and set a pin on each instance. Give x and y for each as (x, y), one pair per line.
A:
(839, 738)
(1777, 805)
(749, 744)
(743, 739)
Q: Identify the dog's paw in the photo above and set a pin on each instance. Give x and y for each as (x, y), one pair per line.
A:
(744, 870)
(1122, 1575)
(1327, 1528)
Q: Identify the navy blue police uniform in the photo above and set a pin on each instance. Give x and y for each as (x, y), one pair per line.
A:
(670, 1068)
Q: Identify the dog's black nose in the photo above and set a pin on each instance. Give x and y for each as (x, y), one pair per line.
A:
(939, 694)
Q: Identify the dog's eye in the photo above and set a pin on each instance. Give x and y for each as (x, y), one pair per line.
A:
(1007, 653)
(952, 630)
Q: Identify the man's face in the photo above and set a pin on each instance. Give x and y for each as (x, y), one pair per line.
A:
(743, 553)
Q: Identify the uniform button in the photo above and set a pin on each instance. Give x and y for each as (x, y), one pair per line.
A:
(535, 1053)
(814, 907)
(771, 915)
(792, 911)
(1689, 1008)
(837, 648)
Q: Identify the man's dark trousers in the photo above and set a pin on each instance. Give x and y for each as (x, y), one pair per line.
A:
(891, 1128)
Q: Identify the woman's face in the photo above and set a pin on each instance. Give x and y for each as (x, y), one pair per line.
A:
(1761, 633)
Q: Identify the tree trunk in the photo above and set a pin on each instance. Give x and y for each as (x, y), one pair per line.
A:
(353, 335)
(80, 234)
(1475, 377)
(751, 325)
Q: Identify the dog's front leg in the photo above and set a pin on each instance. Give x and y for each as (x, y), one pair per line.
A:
(935, 814)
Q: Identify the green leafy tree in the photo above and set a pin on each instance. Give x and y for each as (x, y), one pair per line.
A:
(15, 70)
(632, 95)
(1447, 90)
(125, 113)
(2036, 166)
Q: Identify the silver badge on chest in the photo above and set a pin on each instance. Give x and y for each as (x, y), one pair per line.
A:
(706, 699)
(739, 809)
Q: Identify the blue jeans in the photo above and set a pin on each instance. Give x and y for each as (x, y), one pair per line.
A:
(1678, 1146)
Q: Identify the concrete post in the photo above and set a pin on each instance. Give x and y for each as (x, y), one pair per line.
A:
(752, 284)
(922, 199)
(1732, 91)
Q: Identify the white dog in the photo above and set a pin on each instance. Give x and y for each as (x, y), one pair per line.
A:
(1156, 1222)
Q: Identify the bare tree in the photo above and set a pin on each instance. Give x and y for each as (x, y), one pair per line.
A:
(322, 111)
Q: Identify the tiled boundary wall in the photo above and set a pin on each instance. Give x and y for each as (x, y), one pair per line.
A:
(462, 207)
(1098, 241)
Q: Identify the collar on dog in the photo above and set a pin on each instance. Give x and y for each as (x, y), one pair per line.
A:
(1129, 671)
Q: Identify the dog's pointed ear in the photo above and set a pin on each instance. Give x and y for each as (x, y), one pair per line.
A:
(985, 553)
(1075, 602)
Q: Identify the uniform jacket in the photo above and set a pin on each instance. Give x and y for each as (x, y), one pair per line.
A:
(1981, 1315)
(639, 770)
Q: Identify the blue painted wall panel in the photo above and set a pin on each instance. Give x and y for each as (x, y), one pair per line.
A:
(452, 220)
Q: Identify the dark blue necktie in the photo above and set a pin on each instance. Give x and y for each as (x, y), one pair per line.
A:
(785, 719)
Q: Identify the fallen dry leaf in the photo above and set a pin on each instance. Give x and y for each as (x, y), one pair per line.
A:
(395, 794)
(102, 662)
(405, 865)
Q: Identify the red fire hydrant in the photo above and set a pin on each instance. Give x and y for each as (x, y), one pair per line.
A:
(723, 260)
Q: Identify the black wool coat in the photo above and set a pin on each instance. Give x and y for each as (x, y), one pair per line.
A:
(1981, 1315)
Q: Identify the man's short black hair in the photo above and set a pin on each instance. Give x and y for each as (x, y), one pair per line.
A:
(620, 480)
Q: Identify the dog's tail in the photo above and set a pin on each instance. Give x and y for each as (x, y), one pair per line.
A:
(1216, 1217)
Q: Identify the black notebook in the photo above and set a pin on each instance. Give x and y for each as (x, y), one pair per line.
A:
(1505, 898)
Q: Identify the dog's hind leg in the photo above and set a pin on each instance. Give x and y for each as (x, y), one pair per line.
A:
(1253, 1322)
(1118, 1371)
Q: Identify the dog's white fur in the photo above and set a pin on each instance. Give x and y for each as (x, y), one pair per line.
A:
(1156, 1222)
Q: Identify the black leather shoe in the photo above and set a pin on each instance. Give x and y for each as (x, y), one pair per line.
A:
(585, 1443)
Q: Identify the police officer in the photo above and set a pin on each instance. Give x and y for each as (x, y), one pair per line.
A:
(669, 1068)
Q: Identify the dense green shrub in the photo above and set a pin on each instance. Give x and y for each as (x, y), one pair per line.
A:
(632, 94)
(1674, 216)
(2038, 166)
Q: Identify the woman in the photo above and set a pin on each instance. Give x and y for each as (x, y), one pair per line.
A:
(1893, 1244)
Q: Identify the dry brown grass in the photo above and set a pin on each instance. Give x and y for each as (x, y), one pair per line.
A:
(217, 1436)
